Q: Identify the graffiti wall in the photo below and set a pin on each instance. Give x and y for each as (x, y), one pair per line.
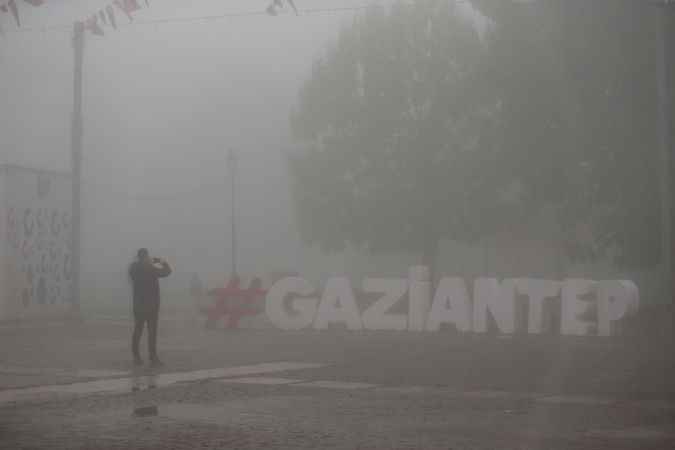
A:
(36, 216)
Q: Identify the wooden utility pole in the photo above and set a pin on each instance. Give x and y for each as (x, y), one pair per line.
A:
(76, 161)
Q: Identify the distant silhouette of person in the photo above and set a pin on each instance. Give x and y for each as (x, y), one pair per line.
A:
(145, 273)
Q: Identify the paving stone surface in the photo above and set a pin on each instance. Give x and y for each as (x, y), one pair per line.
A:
(251, 389)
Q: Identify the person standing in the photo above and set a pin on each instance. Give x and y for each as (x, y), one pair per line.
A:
(145, 273)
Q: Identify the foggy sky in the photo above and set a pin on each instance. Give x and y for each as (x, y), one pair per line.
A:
(162, 103)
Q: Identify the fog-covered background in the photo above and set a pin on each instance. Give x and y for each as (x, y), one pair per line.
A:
(162, 104)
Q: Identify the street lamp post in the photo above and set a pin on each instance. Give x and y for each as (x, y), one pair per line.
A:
(665, 72)
(76, 163)
(232, 168)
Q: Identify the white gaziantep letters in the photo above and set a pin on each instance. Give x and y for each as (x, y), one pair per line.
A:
(538, 293)
(616, 299)
(451, 305)
(302, 308)
(577, 306)
(586, 307)
(419, 297)
(338, 305)
(499, 299)
(376, 316)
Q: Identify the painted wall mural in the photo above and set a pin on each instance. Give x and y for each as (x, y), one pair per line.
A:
(36, 210)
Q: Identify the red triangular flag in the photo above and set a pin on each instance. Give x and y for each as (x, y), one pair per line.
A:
(127, 7)
(111, 16)
(91, 24)
(15, 11)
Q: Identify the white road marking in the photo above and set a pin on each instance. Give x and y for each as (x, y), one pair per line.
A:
(74, 373)
(301, 383)
(403, 389)
(630, 433)
(574, 400)
(261, 380)
(121, 385)
(487, 394)
(249, 375)
(336, 385)
(325, 384)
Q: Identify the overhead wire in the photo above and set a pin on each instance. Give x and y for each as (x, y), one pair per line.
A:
(203, 18)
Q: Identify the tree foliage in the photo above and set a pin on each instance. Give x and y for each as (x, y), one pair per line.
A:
(417, 128)
(577, 82)
(390, 119)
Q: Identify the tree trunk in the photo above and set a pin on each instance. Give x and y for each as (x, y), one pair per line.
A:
(486, 258)
(429, 256)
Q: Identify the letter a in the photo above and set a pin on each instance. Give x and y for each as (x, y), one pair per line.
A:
(338, 305)
(451, 305)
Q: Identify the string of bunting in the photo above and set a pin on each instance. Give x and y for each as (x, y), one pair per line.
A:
(106, 16)
(10, 7)
(276, 5)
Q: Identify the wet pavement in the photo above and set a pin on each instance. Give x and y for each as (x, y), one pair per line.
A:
(141, 379)
(213, 414)
(246, 390)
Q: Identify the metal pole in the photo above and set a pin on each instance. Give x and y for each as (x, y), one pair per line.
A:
(232, 162)
(664, 92)
(76, 161)
(669, 130)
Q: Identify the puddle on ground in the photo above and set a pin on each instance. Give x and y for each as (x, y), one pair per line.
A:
(211, 414)
(146, 411)
(261, 411)
(74, 373)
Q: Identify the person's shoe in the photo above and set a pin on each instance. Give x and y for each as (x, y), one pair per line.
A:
(138, 361)
(155, 363)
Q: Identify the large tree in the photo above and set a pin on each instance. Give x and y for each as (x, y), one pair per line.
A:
(393, 126)
(576, 81)
(419, 129)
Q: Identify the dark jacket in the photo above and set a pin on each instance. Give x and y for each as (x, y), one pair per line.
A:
(145, 282)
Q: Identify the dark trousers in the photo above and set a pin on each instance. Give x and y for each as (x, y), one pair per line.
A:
(141, 317)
